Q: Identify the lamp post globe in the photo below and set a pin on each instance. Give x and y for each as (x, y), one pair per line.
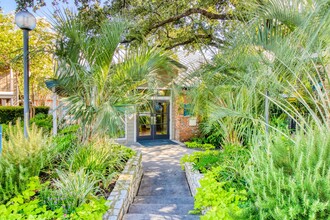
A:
(27, 22)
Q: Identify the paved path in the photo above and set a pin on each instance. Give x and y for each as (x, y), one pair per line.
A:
(164, 192)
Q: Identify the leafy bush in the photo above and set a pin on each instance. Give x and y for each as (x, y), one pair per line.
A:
(12, 113)
(43, 121)
(21, 159)
(223, 192)
(92, 209)
(77, 176)
(194, 144)
(220, 199)
(41, 110)
(203, 161)
(229, 156)
(290, 177)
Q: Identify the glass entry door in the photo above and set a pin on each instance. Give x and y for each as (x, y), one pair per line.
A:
(153, 120)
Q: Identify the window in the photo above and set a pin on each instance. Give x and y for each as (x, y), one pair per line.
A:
(186, 109)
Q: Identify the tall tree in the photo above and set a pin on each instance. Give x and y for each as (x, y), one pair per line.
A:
(167, 23)
(41, 64)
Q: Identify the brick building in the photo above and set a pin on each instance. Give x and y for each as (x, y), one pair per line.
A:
(167, 114)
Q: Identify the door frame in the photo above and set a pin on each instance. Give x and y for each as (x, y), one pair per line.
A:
(169, 128)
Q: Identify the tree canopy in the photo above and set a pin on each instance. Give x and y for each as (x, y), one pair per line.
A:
(11, 44)
(166, 23)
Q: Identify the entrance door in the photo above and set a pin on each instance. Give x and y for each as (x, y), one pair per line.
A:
(153, 120)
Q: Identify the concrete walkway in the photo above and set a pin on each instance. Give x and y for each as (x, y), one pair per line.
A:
(164, 192)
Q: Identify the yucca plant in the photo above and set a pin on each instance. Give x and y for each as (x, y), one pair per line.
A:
(99, 76)
(73, 189)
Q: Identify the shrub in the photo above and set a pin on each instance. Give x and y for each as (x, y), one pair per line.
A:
(231, 155)
(220, 199)
(12, 113)
(194, 144)
(223, 192)
(43, 121)
(203, 161)
(21, 159)
(41, 110)
(290, 177)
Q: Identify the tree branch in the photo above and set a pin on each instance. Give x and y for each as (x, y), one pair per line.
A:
(189, 41)
(190, 11)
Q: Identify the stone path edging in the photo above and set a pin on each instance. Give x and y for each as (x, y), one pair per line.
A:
(125, 189)
(193, 178)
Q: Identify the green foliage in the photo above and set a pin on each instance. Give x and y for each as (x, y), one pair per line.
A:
(203, 161)
(12, 113)
(83, 171)
(93, 209)
(99, 156)
(71, 129)
(35, 203)
(195, 144)
(43, 121)
(231, 155)
(41, 110)
(221, 199)
(40, 46)
(99, 97)
(223, 192)
(290, 177)
(26, 205)
(73, 189)
(21, 159)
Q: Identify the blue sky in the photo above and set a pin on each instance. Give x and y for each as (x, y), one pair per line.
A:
(10, 6)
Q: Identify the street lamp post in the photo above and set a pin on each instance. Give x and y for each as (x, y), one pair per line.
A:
(27, 22)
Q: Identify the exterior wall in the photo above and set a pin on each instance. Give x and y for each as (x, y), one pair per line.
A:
(8, 89)
(129, 131)
(181, 128)
(130, 128)
(184, 130)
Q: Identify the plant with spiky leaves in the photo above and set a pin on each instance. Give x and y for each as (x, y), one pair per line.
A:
(99, 76)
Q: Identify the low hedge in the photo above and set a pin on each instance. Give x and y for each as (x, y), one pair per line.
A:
(12, 113)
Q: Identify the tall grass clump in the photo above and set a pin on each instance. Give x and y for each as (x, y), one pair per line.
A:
(21, 159)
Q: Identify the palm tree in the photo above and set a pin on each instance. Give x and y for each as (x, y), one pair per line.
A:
(263, 54)
(99, 76)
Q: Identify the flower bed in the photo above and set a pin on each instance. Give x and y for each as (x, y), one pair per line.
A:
(58, 178)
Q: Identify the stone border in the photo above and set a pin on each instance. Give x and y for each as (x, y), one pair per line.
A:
(125, 189)
(193, 178)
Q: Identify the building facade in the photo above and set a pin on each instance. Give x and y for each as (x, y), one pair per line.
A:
(8, 89)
